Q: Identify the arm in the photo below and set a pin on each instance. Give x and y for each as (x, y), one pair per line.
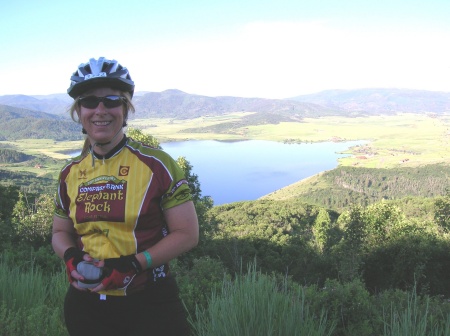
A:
(183, 235)
(63, 235)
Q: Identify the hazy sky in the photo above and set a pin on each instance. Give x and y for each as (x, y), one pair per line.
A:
(246, 48)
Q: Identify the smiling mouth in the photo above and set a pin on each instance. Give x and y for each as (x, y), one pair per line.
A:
(101, 123)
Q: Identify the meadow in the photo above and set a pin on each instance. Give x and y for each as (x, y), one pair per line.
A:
(403, 140)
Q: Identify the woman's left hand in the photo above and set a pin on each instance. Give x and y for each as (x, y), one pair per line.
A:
(117, 272)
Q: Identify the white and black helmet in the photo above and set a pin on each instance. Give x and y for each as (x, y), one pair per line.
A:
(101, 72)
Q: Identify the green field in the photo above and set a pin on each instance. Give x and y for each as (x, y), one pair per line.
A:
(393, 141)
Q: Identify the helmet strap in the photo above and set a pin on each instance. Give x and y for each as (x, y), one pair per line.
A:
(102, 144)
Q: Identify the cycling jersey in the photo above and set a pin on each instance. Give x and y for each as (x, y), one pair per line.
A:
(116, 202)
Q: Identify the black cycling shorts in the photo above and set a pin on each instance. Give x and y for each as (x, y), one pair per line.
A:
(156, 310)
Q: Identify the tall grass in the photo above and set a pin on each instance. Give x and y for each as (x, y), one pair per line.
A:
(257, 304)
(415, 320)
(252, 303)
(30, 302)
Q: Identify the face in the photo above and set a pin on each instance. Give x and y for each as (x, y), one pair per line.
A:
(102, 124)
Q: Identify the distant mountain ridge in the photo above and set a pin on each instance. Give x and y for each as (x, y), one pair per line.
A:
(379, 101)
(178, 104)
(172, 104)
(33, 116)
(52, 104)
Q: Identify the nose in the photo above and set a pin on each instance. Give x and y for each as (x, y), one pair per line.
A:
(100, 108)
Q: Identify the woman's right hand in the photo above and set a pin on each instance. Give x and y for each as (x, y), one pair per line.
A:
(72, 257)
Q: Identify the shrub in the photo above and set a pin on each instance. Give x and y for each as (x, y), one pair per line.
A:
(347, 303)
(199, 282)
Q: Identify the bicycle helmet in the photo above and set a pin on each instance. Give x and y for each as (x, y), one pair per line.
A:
(101, 72)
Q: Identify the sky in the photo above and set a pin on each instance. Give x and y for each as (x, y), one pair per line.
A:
(244, 48)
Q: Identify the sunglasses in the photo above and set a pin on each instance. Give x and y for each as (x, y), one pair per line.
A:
(91, 102)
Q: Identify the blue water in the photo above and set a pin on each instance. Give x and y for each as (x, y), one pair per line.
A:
(246, 170)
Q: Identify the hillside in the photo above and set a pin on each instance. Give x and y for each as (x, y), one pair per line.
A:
(182, 105)
(19, 123)
(53, 104)
(174, 104)
(13, 156)
(35, 117)
(343, 186)
(28, 182)
(379, 101)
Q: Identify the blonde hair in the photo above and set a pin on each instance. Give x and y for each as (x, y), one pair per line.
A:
(74, 109)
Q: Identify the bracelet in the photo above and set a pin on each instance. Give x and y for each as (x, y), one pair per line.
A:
(148, 257)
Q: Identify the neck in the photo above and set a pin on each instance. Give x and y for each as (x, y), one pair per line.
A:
(105, 147)
(106, 150)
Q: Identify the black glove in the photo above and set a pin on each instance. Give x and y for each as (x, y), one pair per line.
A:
(118, 272)
(72, 257)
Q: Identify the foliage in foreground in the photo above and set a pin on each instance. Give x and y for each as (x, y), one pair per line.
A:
(249, 303)
(30, 301)
(256, 304)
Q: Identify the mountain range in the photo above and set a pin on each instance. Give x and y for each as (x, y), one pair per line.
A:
(14, 109)
(381, 101)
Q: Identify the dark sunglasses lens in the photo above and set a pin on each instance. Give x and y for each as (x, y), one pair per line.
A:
(89, 102)
(92, 102)
(112, 101)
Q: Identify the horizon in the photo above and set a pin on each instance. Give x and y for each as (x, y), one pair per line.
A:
(270, 49)
(140, 93)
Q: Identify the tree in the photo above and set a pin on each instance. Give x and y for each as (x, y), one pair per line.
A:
(321, 228)
(348, 251)
(354, 227)
(383, 220)
(442, 211)
(147, 139)
(8, 197)
(33, 221)
(192, 179)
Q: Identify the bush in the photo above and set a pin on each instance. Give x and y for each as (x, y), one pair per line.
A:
(199, 282)
(347, 303)
(411, 261)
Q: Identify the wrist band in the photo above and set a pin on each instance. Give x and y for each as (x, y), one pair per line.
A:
(148, 257)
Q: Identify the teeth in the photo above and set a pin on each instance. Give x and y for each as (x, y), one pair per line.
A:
(101, 123)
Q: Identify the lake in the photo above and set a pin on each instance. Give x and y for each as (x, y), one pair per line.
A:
(247, 170)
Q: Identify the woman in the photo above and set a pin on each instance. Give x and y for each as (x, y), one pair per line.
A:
(123, 211)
